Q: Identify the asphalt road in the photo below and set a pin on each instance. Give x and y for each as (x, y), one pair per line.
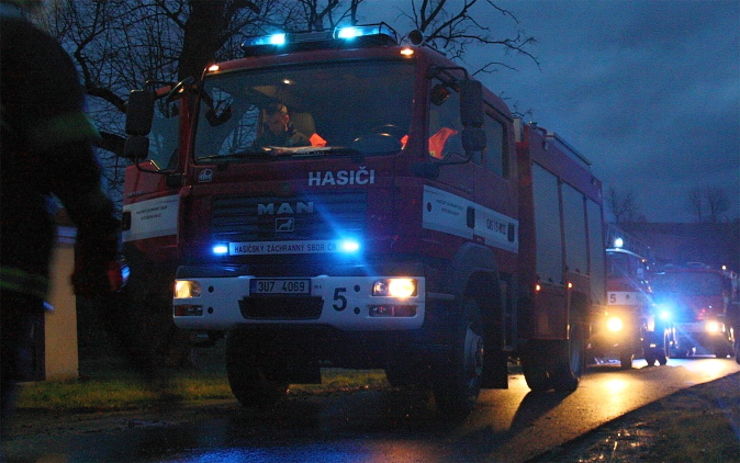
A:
(510, 425)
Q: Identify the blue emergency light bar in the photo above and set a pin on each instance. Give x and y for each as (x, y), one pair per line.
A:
(366, 30)
(365, 34)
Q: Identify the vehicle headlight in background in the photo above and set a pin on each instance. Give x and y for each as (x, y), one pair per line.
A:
(713, 326)
(186, 289)
(395, 287)
(614, 324)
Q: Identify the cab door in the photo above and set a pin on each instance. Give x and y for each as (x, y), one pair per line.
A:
(151, 199)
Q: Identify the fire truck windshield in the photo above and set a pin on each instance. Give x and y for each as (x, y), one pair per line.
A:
(322, 109)
(688, 283)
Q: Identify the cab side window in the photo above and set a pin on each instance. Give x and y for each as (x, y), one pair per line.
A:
(493, 156)
(445, 128)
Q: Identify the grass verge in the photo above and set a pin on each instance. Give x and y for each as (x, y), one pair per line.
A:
(701, 424)
(106, 385)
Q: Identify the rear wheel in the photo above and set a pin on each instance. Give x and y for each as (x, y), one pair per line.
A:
(569, 360)
(458, 383)
(534, 366)
(254, 371)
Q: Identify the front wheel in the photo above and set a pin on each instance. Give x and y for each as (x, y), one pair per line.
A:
(625, 359)
(458, 383)
(254, 371)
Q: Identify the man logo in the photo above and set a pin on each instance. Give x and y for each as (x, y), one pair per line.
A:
(284, 224)
(298, 207)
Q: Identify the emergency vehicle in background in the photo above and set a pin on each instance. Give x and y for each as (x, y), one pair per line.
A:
(702, 304)
(425, 231)
(628, 326)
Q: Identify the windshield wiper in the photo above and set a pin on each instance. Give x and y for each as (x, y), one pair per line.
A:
(281, 152)
(267, 154)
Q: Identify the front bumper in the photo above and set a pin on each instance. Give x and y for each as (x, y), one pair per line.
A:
(707, 334)
(342, 302)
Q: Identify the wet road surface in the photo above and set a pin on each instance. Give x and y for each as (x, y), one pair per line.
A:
(510, 425)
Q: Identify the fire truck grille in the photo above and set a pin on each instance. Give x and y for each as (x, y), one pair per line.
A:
(314, 217)
(281, 307)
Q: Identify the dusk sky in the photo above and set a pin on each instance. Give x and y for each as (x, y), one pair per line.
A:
(648, 90)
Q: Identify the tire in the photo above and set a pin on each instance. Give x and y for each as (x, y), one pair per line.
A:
(253, 371)
(650, 357)
(724, 352)
(569, 360)
(625, 360)
(534, 367)
(457, 385)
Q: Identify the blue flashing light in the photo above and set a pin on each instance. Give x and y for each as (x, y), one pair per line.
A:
(220, 249)
(665, 311)
(348, 33)
(277, 39)
(352, 32)
(349, 246)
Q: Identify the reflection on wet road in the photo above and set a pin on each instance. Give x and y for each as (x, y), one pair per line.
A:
(391, 426)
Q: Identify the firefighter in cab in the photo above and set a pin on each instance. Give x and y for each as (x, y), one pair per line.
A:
(278, 130)
(46, 152)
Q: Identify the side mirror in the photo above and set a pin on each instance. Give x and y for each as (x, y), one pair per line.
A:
(136, 148)
(140, 112)
(471, 103)
(471, 115)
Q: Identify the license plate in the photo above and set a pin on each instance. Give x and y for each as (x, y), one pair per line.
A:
(273, 286)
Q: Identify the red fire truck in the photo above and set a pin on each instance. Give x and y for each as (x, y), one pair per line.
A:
(628, 325)
(702, 304)
(418, 228)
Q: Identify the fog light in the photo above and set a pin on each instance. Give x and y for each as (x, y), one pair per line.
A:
(188, 310)
(392, 310)
(186, 289)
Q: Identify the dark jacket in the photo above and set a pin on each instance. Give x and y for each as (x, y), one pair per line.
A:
(45, 150)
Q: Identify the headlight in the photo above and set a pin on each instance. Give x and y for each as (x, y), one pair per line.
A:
(713, 326)
(186, 289)
(614, 324)
(395, 287)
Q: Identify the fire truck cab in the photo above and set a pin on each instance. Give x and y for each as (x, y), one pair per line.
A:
(702, 305)
(416, 227)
